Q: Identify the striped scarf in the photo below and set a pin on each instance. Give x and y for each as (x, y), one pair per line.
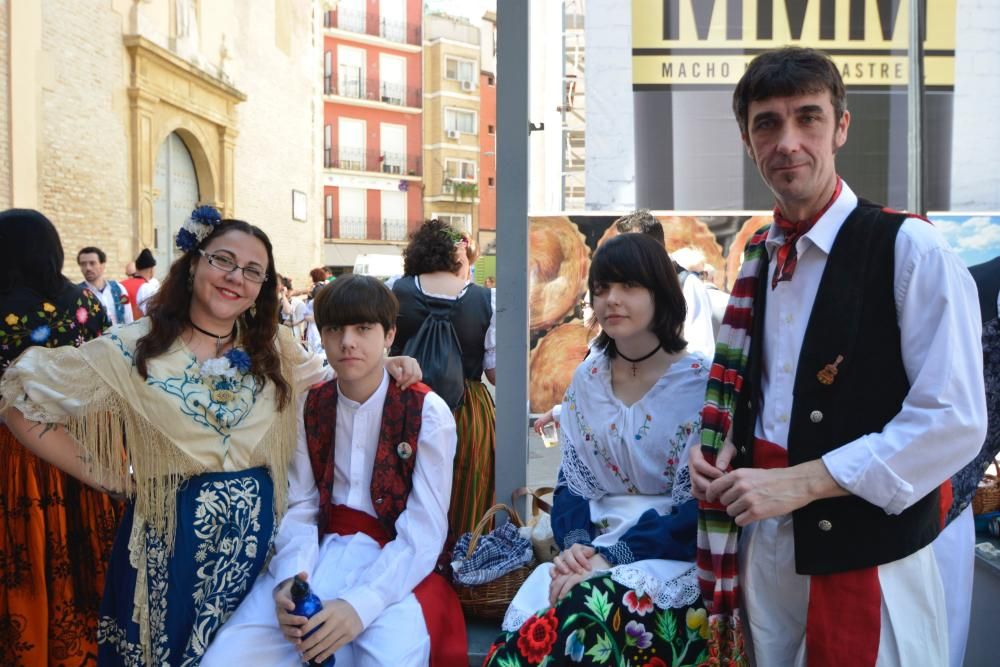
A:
(717, 532)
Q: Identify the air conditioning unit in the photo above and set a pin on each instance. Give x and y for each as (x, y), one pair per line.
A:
(468, 85)
(452, 134)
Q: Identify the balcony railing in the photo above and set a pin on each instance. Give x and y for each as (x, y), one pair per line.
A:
(383, 162)
(353, 227)
(373, 90)
(371, 24)
(393, 229)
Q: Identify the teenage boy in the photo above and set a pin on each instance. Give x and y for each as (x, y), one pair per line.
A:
(372, 475)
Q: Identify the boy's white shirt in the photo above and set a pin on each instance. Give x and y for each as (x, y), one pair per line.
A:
(421, 528)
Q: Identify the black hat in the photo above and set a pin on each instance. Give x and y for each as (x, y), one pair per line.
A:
(145, 260)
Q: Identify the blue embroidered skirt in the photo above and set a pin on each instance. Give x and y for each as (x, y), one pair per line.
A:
(225, 524)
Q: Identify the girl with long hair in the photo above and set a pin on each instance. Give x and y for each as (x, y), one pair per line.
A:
(55, 533)
(189, 413)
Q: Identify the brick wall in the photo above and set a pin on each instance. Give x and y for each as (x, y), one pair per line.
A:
(83, 149)
(280, 142)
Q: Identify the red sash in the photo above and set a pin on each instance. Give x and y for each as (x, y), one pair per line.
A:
(844, 619)
(438, 602)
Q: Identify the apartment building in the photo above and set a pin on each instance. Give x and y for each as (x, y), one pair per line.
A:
(452, 121)
(488, 134)
(372, 126)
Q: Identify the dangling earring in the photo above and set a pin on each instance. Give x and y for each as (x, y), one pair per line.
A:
(190, 283)
(253, 310)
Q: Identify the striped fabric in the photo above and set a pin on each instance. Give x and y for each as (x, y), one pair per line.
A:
(472, 489)
(717, 532)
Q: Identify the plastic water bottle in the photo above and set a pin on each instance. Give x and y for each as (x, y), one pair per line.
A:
(308, 603)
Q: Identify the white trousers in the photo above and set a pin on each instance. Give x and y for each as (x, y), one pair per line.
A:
(955, 551)
(913, 629)
(398, 636)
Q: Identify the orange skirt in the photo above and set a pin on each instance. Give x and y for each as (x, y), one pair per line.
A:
(55, 538)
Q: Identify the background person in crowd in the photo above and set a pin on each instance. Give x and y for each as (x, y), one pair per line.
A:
(55, 533)
(623, 590)
(145, 268)
(955, 547)
(292, 310)
(490, 282)
(433, 264)
(320, 276)
(847, 389)
(692, 260)
(137, 279)
(129, 270)
(92, 262)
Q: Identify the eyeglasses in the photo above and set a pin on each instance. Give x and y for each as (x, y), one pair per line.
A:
(252, 273)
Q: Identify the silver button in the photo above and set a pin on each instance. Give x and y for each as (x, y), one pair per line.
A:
(815, 416)
(825, 526)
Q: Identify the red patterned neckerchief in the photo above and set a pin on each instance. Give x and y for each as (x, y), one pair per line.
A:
(787, 254)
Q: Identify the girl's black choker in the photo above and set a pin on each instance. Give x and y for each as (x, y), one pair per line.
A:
(638, 360)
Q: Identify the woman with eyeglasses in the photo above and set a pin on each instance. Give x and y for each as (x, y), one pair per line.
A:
(190, 414)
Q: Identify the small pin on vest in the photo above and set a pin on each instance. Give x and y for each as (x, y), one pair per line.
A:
(829, 372)
(404, 450)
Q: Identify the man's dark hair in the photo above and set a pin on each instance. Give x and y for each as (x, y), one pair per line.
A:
(432, 248)
(641, 222)
(355, 299)
(637, 258)
(786, 72)
(101, 257)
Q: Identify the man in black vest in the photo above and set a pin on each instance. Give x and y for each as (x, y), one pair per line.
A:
(861, 395)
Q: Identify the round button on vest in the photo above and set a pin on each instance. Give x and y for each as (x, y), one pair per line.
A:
(825, 525)
(815, 416)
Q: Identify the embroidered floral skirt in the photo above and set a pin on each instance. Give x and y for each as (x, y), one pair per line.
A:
(602, 622)
(472, 490)
(55, 538)
(225, 524)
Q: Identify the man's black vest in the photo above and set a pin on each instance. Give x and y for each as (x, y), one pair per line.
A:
(854, 320)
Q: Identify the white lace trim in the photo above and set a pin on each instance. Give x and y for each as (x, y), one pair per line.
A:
(675, 593)
(514, 619)
(681, 491)
(577, 535)
(579, 478)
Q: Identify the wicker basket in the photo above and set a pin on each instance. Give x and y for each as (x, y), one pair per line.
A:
(987, 498)
(490, 600)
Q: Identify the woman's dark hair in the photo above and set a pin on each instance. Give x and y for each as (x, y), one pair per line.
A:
(169, 308)
(31, 254)
(785, 72)
(432, 248)
(637, 258)
(355, 299)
